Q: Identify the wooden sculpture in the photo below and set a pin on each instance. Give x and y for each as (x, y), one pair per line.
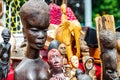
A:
(87, 60)
(67, 31)
(75, 63)
(62, 49)
(56, 65)
(35, 20)
(5, 53)
(107, 44)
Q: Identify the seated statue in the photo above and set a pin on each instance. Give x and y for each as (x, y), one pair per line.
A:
(5, 54)
(35, 19)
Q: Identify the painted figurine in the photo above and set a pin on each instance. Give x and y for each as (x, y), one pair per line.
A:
(5, 53)
(35, 20)
(56, 65)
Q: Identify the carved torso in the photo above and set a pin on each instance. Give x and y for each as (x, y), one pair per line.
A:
(5, 52)
(30, 69)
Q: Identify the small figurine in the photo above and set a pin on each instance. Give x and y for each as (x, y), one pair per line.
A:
(108, 55)
(67, 72)
(75, 63)
(5, 54)
(56, 65)
(81, 76)
(62, 49)
(35, 19)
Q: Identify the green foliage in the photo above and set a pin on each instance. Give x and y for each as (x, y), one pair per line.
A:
(101, 7)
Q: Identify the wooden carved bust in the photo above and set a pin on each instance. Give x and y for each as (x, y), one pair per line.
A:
(35, 19)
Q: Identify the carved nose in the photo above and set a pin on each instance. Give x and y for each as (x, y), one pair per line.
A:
(40, 35)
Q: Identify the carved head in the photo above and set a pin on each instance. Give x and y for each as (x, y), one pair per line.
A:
(62, 48)
(74, 61)
(6, 34)
(54, 44)
(108, 38)
(35, 19)
(55, 59)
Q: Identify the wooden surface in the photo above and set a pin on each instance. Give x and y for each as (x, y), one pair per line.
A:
(105, 22)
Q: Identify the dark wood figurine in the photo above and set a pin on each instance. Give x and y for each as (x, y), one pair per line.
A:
(5, 54)
(106, 35)
(108, 55)
(35, 19)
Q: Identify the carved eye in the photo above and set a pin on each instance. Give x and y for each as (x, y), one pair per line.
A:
(45, 30)
(34, 29)
(109, 71)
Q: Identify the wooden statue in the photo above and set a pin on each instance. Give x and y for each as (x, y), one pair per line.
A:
(75, 63)
(107, 44)
(118, 51)
(62, 49)
(5, 54)
(67, 31)
(67, 72)
(56, 65)
(35, 20)
(90, 69)
(87, 60)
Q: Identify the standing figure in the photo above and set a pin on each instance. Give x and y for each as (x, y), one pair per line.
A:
(35, 19)
(5, 54)
(56, 65)
(108, 55)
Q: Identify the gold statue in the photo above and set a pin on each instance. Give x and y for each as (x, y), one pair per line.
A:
(67, 31)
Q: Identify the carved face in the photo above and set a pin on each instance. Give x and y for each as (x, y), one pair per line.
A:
(6, 35)
(35, 29)
(74, 61)
(62, 49)
(112, 74)
(55, 59)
